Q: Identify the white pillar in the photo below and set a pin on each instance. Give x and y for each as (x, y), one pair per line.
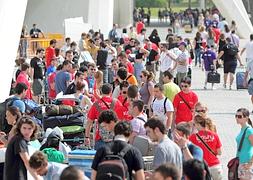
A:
(100, 15)
(202, 4)
(12, 13)
(124, 12)
(234, 10)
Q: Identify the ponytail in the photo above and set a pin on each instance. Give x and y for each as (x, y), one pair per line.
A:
(250, 122)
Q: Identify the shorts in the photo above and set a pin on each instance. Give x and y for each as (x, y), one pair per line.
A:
(250, 88)
(229, 67)
(37, 87)
(245, 173)
(216, 172)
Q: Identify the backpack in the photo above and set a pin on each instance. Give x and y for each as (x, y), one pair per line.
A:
(113, 166)
(4, 126)
(232, 50)
(164, 105)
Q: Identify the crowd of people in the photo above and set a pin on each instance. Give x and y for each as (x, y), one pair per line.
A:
(137, 86)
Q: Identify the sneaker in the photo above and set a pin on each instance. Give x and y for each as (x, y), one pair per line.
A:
(225, 86)
(205, 88)
(230, 87)
(213, 88)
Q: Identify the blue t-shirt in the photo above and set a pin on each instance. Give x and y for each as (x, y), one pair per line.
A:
(208, 57)
(61, 80)
(196, 151)
(19, 104)
(51, 69)
(246, 152)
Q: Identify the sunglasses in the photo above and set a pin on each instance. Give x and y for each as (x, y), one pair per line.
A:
(93, 69)
(200, 111)
(184, 86)
(141, 76)
(238, 116)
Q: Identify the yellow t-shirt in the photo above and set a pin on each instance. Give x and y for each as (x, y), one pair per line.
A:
(170, 90)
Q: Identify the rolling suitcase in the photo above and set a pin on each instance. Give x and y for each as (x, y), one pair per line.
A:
(73, 135)
(240, 80)
(213, 77)
(82, 159)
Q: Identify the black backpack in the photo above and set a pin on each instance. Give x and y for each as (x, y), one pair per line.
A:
(113, 166)
(232, 49)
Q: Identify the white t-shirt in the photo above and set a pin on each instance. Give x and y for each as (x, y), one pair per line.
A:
(249, 50)
(112, 53)
(184, 56)
(166, 61)
(141, 39)
(158, 108)
(249, 68)
(137, 124)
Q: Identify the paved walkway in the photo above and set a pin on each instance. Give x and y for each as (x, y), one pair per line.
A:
(222, 104)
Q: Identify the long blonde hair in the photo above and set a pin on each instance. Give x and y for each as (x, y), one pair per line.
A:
(99, 78)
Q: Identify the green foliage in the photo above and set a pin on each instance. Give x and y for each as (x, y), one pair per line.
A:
(151, 3)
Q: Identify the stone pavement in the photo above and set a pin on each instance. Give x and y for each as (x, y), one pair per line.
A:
(222, 104)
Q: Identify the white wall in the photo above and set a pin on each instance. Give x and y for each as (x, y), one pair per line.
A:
(123, 12)
(49, 15)
(10, 30)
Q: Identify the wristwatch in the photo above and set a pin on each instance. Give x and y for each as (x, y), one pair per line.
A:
(184, 147)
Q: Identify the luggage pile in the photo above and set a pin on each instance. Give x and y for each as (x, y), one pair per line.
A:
(70, 119)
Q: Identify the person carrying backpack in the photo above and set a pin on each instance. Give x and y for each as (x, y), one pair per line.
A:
(117, 160)
(230, 52)
(105, 103)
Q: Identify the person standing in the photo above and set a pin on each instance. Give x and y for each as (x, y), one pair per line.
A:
(197, 44)
(166, 151)
(62, 78)
(246, 152)
(50, 52)
(170, 88)
(231, 55)
(37, 74)
(184, 102)
(249, 49)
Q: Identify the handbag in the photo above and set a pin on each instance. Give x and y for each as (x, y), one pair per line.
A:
(213, 77)
(233, 164)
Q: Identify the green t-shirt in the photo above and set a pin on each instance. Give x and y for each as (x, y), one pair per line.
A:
(246, 152)
(53, 155)
(170, 90)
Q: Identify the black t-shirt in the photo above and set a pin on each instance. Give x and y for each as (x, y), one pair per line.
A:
(133, 157)
(152, 54)
(14, 167)
(129, 47)
(34, 32)
(101, 59)
(38, 66)
(155, 39)
(71, 89)
(198, 43)
(227, 56)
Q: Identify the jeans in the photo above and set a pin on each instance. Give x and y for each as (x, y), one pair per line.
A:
(99, 144)
(110, 75)
(197, 56)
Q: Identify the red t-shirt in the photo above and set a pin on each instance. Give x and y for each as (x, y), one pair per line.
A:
(183, 113)
(23, 78)
(130, 67)
(139, 27)
(50, 54)
(124, 109)
(51, 80)
(213, 141)
(217, 34)
(94, 113)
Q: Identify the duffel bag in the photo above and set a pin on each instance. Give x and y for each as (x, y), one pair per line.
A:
(73, 135)
(66, 120)
(55, 110)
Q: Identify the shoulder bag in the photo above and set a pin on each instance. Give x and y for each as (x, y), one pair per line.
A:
(233, 164)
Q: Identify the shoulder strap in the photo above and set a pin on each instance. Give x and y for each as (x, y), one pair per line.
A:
(241, 141)
(97, 106)
(129, 77)
(185, 102)
(108, 107)
(124, 101)
(206, 145)
(123, 152)
(141, 118)
(151, 106)
(164, 105)
(112, 104)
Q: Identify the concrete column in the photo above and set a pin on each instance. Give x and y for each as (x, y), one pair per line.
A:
(123, 12)
(202, 4)
(234, 10)
(100, 15)
(12, 15)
